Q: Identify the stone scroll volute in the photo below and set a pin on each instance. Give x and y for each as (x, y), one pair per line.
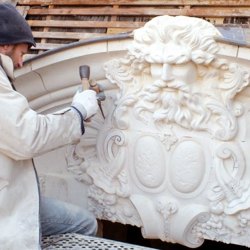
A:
(173, 148)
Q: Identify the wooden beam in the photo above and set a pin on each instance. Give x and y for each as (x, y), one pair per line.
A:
(138, 2)
(66, 35)
(46, 29)
(84, 24)
(23, 10)
(196, 11)
(46, 46)
(74, 16)
(113, 18)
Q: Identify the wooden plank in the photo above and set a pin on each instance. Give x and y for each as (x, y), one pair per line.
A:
(215, 21)
(54, 16)
(117, 30)
(138, 2)
(23, 10)
(84, 24)
(199, 12)
(43, 40)
(113, 18)
(66, 35)
(47, 46)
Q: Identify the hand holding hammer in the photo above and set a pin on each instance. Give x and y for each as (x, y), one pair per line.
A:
(84, 71)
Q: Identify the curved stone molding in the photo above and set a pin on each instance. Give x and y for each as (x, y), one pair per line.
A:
(173, 147)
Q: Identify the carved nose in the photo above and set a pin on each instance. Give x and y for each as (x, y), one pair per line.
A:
(166, 72)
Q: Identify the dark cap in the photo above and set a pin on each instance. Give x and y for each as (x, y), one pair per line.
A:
(14, 29)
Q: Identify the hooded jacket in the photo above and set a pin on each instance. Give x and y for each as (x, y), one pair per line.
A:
(23, 135)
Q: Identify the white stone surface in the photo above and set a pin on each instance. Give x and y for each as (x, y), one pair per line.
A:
(171, 155)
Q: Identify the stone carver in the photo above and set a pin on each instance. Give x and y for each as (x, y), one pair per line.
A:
(172, 155)
(25, 134)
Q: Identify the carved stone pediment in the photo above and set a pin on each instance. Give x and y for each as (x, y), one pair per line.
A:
(171, 155)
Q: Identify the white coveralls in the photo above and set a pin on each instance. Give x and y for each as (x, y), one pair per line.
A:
(23, 135)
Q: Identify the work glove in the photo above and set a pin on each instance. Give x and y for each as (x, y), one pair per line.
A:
(85, 103)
